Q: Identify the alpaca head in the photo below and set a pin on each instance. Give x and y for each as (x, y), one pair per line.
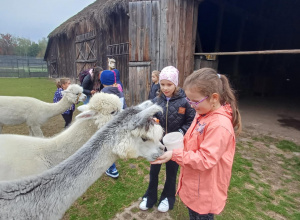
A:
(140, 135)
(102, 107)
(74, 93)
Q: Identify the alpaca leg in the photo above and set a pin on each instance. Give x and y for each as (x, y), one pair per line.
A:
(36, 131)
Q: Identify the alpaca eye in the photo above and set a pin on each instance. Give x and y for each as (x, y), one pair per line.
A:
(145, 139)
(112, 113)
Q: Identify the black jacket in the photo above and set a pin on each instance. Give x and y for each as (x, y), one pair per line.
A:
(177, 113)
(154, 91)
(87, 85)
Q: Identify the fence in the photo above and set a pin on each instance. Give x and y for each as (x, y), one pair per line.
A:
(22, 67)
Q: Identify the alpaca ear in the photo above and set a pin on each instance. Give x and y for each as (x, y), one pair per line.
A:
(145, 104)
(82, 108)
(86, 114)
(142, 117)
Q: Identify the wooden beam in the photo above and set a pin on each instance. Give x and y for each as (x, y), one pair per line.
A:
(132, 64)
(86, 61)
(292, 51)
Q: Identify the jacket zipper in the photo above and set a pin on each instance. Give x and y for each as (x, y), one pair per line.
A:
(167, 105)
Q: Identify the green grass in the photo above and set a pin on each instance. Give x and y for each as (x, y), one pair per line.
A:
(40, 88)
(249, 195)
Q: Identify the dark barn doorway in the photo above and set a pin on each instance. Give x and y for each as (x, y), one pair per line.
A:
(233, 25)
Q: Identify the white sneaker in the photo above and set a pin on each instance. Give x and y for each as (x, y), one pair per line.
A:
(143, 204)
(163, 205)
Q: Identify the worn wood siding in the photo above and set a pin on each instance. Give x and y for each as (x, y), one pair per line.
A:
(143, 48)
(178, 20)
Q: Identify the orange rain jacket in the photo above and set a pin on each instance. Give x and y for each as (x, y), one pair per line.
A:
(206, 161)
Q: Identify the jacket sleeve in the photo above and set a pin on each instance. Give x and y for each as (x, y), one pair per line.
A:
(189, 117)
(57, 96)
(85, 85)
(215, 143)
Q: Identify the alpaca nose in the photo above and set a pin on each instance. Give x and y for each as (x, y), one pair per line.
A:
(162, 147)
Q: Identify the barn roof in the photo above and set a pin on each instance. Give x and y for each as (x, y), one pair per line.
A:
(96, 12)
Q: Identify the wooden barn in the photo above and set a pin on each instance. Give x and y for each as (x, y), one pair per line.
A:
(253, 42)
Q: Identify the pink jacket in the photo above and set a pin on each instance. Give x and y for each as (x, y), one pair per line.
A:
(206, 161)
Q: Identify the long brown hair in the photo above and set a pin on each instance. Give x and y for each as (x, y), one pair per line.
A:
(207, 81)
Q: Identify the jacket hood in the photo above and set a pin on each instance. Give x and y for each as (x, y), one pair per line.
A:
(111, 90)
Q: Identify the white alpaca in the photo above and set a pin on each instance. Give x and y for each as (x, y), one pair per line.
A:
(24, 155)
(130, 134)
(16, 110)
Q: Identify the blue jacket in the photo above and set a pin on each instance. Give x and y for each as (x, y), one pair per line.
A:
(58, 96)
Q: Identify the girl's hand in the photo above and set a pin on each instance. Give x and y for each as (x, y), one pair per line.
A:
(163, 158)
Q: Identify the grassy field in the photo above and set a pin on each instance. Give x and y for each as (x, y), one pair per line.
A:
(265, 180)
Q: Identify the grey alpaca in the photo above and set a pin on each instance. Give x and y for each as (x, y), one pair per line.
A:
(130, 134)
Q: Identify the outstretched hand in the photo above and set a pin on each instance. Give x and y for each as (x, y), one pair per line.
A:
(163, 158)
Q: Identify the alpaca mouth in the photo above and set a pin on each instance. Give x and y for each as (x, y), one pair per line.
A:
(155, 156)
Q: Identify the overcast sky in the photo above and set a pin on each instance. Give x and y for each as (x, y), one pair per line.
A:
(35, 19)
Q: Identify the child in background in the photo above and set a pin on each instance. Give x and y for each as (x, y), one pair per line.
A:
(209, 144)
(61, 85)
(107, 79)
(154, 91)
(177, 116)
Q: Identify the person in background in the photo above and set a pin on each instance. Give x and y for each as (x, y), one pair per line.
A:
(209, 144)
(112, 66)
(177, 116)
(91, 83)
(108, 81)
(61, 85)
(154, 90)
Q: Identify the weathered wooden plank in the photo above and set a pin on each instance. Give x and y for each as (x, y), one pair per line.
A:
(170, 32)
(147, 38)
(155, 27)
(189, 32)
(133, 32)
(181, 40)
(163, 34)
(176, 29)
(195, 25)
(140, 29)
(132, 74)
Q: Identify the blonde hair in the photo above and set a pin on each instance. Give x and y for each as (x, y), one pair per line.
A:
(64, 80)
(156, 73)
(207, 81)
(58, 84)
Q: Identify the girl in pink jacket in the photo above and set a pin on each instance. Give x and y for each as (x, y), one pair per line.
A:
(209, 144)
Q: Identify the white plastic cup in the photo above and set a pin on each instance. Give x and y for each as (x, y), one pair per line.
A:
(173, 140)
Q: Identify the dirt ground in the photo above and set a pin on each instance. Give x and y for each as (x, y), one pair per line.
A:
(279, 118)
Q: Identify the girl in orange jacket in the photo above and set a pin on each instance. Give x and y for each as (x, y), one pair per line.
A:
(209, 144)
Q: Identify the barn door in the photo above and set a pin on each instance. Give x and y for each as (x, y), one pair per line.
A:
(85, 51)
(143, 48)
(53, 68)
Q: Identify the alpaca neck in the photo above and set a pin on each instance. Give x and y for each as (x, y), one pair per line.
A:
(64, 145)
(53, 192)
(60, 107)
(81, 170)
